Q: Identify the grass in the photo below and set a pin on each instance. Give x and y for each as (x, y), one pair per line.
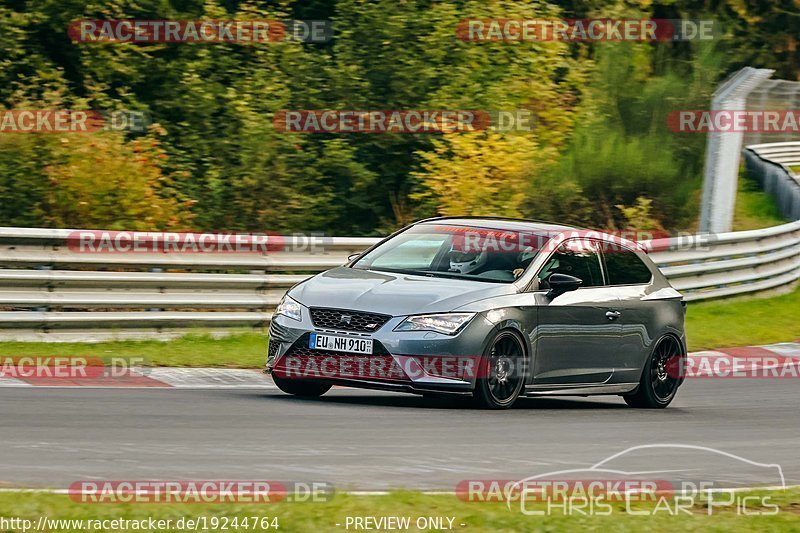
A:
(243, 350)
(755, 209)
(720, 324)
(743, 321)
(468, 516)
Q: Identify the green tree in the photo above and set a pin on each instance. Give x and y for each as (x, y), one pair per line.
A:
(100, 181)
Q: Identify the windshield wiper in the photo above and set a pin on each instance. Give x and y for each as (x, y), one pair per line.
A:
(432, 274)
(392, 270)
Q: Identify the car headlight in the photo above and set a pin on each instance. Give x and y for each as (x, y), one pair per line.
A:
(289, 308)
(447, 323)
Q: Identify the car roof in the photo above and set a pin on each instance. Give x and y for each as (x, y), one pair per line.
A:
(533, 226)
(507, 224)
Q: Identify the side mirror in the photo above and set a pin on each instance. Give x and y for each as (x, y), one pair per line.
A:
(351, 257)
(561, 283)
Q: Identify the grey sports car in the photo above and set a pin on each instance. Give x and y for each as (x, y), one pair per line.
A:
(487, 308)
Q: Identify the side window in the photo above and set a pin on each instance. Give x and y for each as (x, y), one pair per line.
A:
(575, 258)
(625, 268)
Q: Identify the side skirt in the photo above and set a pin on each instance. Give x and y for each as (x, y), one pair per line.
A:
(579, 389)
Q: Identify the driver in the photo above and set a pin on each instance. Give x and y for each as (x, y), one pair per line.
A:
(551, 266)
(524, 260)
(467, 262)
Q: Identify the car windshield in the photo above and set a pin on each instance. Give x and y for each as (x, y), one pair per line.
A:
(480, 254)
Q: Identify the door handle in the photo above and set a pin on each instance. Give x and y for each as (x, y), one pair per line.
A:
(613, 315)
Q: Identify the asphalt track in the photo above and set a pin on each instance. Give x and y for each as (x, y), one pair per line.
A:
(365, 440)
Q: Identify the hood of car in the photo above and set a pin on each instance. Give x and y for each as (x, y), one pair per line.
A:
(391, 293)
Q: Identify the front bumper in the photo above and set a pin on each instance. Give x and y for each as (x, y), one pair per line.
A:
(407, 361)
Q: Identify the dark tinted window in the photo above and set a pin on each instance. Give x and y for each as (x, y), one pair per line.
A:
(575, 258)
(625, 268)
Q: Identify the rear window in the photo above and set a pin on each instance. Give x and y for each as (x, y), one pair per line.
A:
(625, 268)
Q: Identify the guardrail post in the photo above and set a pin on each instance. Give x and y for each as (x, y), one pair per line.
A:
(155, 309)
(722, 153)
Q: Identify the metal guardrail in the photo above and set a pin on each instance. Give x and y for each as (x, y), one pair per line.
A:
(774, 167)
(746, 261)
(734, 263)
(786, 154)
(49, 291)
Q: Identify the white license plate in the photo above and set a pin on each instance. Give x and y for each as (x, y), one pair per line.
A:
(336, 343)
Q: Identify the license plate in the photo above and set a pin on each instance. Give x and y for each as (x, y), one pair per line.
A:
(336, 343)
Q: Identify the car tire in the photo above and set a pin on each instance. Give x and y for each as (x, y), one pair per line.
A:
(657, 386)
(301, 387)
(501, 371)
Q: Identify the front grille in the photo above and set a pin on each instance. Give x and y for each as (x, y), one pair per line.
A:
(272, 351)
(345, 320)
(273, 348)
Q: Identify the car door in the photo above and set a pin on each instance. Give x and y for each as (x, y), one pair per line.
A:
(577, 332)
(630, 279)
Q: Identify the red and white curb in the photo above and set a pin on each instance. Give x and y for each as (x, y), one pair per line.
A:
(157, 377)
(780, 360)
(784, 349)
(230, 378)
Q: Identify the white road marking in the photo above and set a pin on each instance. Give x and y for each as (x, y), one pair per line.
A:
(13, 382)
